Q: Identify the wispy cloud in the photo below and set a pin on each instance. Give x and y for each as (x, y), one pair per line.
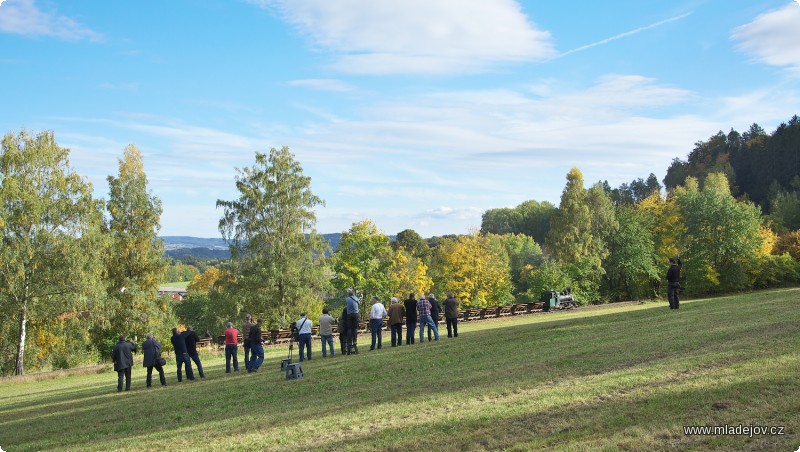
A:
(323, 84)
(773, 38)
(417, 36)
(23, 17)
(625, 34)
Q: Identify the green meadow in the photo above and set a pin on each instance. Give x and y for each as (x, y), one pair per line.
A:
(627, 376)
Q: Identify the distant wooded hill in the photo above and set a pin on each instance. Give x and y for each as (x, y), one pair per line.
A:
(179, 247)
(759, 166)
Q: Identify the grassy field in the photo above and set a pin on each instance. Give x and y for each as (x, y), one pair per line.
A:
(176, 284)
(616, 377)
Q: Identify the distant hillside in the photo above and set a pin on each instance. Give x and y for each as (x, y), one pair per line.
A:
(178, 246)
(174, 242)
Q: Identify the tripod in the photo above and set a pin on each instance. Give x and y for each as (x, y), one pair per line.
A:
(288, 360)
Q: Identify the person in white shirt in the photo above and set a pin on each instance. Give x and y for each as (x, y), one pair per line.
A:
(376, 315)
(304, 335)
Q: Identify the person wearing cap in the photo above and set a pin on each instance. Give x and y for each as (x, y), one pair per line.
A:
(255, 347)
(122, 355)
(304, 335)
(424, 311)
(396, 313)
(376, 315)
(231, 348)
(326, 331)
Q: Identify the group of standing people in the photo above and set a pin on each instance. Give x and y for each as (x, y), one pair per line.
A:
(415, 313)
(419, 313)
(185, 346)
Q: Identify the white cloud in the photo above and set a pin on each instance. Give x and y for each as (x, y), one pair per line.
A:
(461, 214)
(773, 38)
(417, 36)
(323, 84)
(25, 18)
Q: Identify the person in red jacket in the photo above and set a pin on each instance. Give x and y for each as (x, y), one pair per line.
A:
(231, 348)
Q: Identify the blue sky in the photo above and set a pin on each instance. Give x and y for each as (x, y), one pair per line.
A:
(417, 114)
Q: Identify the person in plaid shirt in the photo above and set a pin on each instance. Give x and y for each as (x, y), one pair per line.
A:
(424, 310)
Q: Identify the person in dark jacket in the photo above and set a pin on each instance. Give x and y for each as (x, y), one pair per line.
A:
(248, 323)
(344, 335)
(152, 350)
(122, 355)
(396, 314)
(255, 347)
(451, 314)
(351, 304)
(181, 355)
(436, 310)
(191, 349)
(673, 283)
(411, 317)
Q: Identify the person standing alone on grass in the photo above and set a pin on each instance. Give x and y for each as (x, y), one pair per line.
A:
(248, 323)
(231, 348)
(152, 351)
(326, 331)
(304, 335)
(191, 349)
(673, 283)
(451, 314)
(396, 313)
(256, 347)
(376, 315)
(181, 355)
(123, 361)
(351, 304)
(424, 311)
(411, 317)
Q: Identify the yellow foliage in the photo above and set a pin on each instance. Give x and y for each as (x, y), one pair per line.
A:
(475, 272)
(667, 223)
(205, 281)
(769, 239)
(408, 274)
(712, 275)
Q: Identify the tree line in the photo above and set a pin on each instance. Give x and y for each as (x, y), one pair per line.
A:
(75, 271)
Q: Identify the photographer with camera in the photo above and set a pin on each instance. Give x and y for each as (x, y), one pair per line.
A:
(673, 283)
(152, 358)
(122, 355)
(351, 305)
(304, 336)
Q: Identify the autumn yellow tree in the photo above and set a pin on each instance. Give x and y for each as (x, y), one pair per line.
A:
(665, 223)
(475, 269)
(205, 281)
(408, 273)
